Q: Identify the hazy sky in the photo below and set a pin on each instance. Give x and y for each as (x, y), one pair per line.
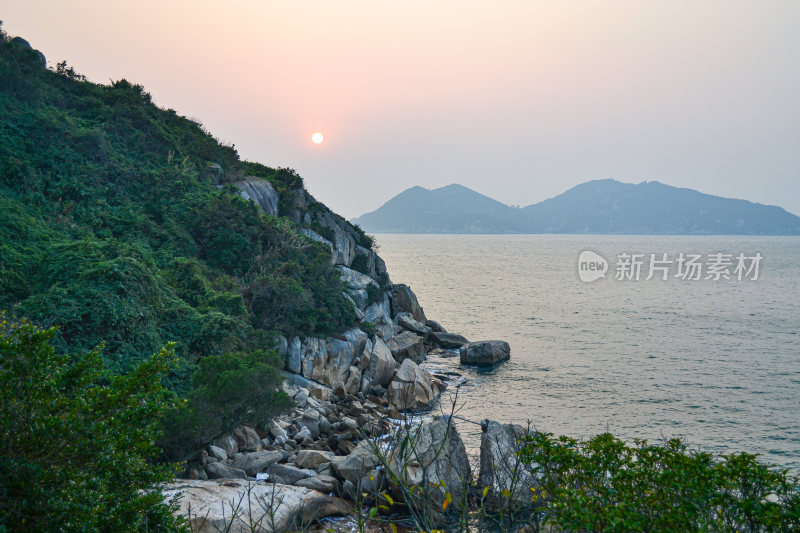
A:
(519, 100)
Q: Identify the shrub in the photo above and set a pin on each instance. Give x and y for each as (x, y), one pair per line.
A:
(604, 484)
(227, 391)
(77, 444)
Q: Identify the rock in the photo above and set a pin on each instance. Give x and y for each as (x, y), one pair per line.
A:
(215, 173)
(329, 361)
(315, 391)
(355, 465)
(322, 483)
(484, 353)
(412, 387)
(354, 279)
(357, 337)
(435, 326)
(312, 458)
(434, 453)
(261, 192)
(407, 345)
(500, 467)
(408, 322)
(302, 435)
(301, 398)
(380, 367)
(206, 505)
(220, 470)
(288, 473)
(281, 345)
(227, 443)
(448, 340)
(378, 314)
(247, 439)
(294, 358)
(216, 452)
(405, 301)
(255, 462)
(311, 425)
(278, 433)
(353, 381)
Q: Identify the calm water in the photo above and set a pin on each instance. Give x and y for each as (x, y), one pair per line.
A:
(716, 362)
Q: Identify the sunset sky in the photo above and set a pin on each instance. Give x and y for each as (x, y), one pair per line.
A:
(519, 100)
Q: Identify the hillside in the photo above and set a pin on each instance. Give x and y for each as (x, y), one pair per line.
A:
(128, 224)
(599, 206)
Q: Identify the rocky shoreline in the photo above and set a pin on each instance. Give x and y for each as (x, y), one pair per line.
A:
(351, 391)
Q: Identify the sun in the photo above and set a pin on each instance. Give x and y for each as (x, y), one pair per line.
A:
(317, 138)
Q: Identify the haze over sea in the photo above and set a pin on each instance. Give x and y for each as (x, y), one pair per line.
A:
(715, 362)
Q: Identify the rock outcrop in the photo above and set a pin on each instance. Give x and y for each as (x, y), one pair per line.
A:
(432, 457)
(448, 340)
(484, 353)
(261, 192)
(500, 466)
(405, 301)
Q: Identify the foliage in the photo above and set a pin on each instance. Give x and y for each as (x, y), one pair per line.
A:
(604, 484)
(227, 391)
(112, 230)
(77, 443)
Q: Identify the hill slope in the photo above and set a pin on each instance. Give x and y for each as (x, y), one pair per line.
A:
(599, 206)
(124, 223)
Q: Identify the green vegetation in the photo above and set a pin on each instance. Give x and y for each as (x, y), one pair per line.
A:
(113, 231)
(604, 484)
(227, 391)
(78, 443)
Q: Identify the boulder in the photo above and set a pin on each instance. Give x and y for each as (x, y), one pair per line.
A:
(260, 192)
(448, 340)
(500, 467)
(255, 462)
(355, 465)
(247, 439)
(408, 322)
(289, 474)
(435, 326)
(216, 452)
(322, 483)
(227, 443)
(405, 301)
(407, 345)
(312, 458)
(220, 470)
(208, 506)
(484, 353)
(433, 454)
(380, 367)
(413, 387)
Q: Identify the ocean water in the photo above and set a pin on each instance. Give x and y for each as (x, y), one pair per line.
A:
(714, 362)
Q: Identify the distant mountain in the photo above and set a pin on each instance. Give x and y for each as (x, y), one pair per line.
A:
(599, 206)
(450, 209)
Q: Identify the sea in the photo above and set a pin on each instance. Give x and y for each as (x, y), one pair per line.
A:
(711, 354)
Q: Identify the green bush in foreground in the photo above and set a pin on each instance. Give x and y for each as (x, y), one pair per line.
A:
(77, 444)
(604, 484)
